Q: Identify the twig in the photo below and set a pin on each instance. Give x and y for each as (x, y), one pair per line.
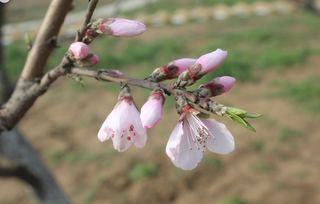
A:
(91, 7)
(108, 76)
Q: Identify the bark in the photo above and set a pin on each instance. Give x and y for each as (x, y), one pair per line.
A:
(25, 163)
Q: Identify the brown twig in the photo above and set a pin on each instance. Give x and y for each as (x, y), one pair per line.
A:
(91, 7)
(108, 76)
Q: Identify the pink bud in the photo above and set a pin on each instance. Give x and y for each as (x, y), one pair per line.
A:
(152, 110)
(175, 68)
(217, 86)
(79, 50)
(182, 64)
(212, 60)
(94, 59)
(121, 27)
(226, 81)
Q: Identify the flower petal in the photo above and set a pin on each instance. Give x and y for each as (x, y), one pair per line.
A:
(181, 149)
(151, 112)
(222, 141)
(120, 141)
(102, 134)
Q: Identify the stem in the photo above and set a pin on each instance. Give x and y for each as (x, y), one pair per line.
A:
(108, 76)
(91, 7)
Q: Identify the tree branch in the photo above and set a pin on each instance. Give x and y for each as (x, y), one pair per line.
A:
(6, 86)
(110, 76)
(91, 7)
(46, 39)
(28, 167)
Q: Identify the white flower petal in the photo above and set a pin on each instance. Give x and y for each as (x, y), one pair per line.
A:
(124, 126)
(181, 149)
(222, 141)
(120, 141)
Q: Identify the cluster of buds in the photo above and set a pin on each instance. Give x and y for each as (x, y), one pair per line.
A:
(195, 131)
(80, 55)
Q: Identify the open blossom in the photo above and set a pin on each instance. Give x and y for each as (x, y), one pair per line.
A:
(211, 61)
(192, 136)
(121, 27)
(152, 110)
(123, 126)
(79, 50)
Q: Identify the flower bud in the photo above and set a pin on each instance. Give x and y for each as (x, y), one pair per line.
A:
(79, 50)
(182, 65)
(94, 59)
(212, 60)
(216, 87)
(152, 110)
(121, 27)
(171, 70)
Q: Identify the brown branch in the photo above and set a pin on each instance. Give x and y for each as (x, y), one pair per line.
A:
(45, 41)
(27, 166)
(91, 7)
(6, 87)
(110, 76)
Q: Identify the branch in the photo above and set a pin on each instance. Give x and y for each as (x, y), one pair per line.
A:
(91, 7)
(46, 39)
(29, 168)
(5, 84)
(109, 76)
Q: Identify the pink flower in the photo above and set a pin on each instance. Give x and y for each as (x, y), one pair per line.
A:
(94, 59)
(79, 50)
(192, 136)
(211, 61)
(152, 110)
(121, 27)
(123, 126)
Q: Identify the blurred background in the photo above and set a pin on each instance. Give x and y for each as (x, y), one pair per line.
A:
(274, 52)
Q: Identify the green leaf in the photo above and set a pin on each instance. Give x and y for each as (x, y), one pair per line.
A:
(240, 120)
(253, 115)
(236, 111)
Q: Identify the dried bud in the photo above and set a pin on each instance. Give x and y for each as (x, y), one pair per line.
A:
(79, 50)
(152, 110)
(121, 27)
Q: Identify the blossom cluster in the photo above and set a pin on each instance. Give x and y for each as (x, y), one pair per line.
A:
(195, 131)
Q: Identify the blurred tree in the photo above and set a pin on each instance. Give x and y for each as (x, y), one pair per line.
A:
(25, 164)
